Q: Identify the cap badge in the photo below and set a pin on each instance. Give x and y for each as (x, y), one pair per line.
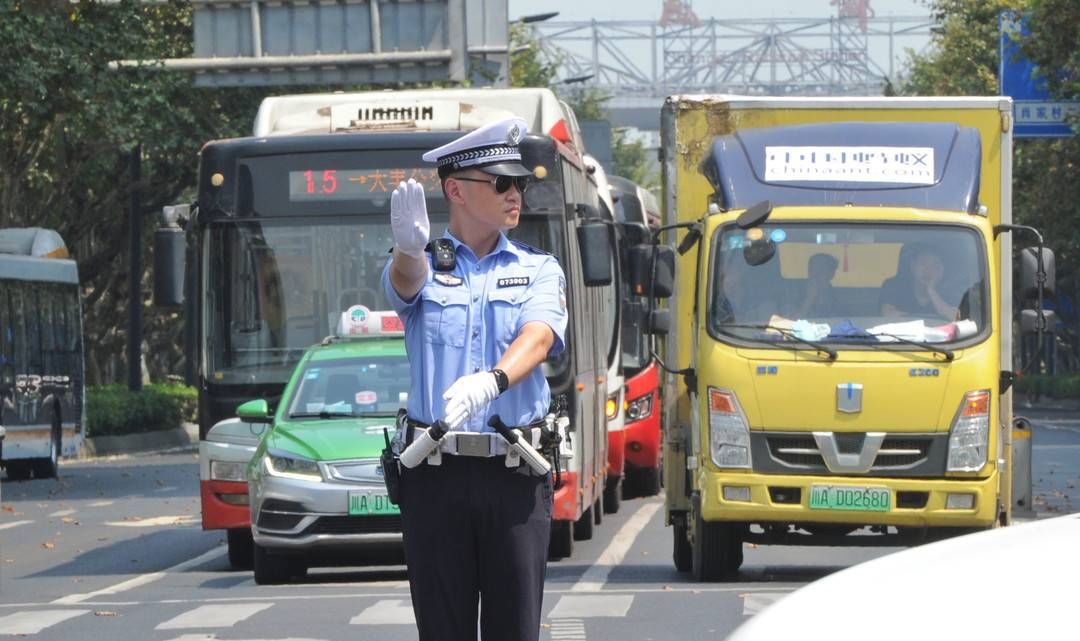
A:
(513, 136)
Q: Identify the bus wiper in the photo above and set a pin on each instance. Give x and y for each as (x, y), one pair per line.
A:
(930, 347)
(323, 415)
(787, 333)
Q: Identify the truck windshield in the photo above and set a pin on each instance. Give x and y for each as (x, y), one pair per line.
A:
(851, 283)
(274, 287)
(351, 387)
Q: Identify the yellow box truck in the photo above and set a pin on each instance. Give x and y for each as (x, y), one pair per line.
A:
(840, 322)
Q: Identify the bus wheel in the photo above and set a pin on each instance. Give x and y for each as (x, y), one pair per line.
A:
(48, 468)
(270, 569)
(583, 527)
(713, 550)
(241, 546)
(680, 549)
(598, 511)
(561, 545)
(648, 481)
(17, 470)
(613, 495)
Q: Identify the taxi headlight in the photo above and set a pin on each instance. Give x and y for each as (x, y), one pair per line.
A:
(969, 437)
(290, 465)
(228, 471)
(729, 433)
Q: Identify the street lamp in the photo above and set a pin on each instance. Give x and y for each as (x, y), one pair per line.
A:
(537, 17)
(573, 79)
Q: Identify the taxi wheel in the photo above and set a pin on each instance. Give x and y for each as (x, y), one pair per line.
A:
(240, 548)
(680, 549)
(270, 569)
(613, 496)
(583, 527)
(713, 550)
(561, 545)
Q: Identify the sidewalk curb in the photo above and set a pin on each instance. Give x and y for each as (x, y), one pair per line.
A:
(183, 438)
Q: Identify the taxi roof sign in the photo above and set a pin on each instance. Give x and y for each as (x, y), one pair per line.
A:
(360, 322)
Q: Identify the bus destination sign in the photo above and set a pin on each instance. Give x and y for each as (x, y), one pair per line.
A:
(358, 184)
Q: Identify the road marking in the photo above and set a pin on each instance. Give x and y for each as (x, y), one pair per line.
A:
(167, 488)
(568, 630)
(1070, 446)
(386, 612)
(580, 606)
(757, 601)
(183, 520)
(8, 526)
(213, 637)
(144, 579)
(34, 622)
(60, 513)
(213, 616)
(596, 576)
(101, 504)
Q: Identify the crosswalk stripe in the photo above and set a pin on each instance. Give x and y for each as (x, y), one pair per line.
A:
(36, 621)
(594, 578)
(580, 606)
(754, 602)
(214, 616)
(5, 526)
(386, 612)
(568, 630)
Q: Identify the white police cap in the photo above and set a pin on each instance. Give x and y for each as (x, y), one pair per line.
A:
(492, 148)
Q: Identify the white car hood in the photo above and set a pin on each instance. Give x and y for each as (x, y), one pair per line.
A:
(1017, 582)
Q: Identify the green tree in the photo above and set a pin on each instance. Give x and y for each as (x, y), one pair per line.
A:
(528, 68)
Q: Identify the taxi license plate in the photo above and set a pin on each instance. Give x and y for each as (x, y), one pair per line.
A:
(366, 502)
(846, 497)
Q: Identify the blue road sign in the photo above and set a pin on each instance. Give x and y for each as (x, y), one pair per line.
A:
(1036, 113)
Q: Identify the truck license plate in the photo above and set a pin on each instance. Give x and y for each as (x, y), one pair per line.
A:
(367, 502)
(846, 497)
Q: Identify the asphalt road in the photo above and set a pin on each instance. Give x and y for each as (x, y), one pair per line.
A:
(113, 550)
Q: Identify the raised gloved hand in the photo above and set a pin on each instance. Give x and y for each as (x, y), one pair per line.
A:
(469, 395)
(409, 219)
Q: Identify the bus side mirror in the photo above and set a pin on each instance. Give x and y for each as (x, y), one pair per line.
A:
(641, 271)
(256, 411)
(169, 249)
(664, 273)
(1029, 266)
(660, 322)
(594, 245)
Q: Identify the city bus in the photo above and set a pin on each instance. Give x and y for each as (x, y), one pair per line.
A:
(42, 402)
(292, 228)
(637, 213)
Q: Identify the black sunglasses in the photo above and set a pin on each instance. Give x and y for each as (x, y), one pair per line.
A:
(502, 183)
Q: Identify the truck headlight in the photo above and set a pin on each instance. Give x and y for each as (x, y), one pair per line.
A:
(227, 471)
(640, 408)
(969, 436)
(729, 433)
(290, 465)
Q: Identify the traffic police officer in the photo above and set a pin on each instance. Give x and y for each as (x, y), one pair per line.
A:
(481, 313)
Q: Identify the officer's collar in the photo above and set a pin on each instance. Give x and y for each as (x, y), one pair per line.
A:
(502, 245)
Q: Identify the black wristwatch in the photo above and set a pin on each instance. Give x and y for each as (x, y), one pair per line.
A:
(502, 381)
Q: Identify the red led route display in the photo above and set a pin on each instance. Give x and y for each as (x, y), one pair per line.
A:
(358, 184)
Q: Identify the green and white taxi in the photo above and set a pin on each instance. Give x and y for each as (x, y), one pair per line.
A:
(315, 483)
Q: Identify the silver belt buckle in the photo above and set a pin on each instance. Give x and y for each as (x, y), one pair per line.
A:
(469, 444)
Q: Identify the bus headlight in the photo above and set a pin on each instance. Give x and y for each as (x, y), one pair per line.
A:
(729, 433)
(969, 436)
(639, 408)
(611, 409)
(292, 466)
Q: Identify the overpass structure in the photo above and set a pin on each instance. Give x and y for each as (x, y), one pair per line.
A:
(639, 63)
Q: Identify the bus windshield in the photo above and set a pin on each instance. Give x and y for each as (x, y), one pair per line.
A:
(868, 283)
(277, 286)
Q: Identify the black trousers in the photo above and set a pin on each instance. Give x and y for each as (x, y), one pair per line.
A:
(476, 540)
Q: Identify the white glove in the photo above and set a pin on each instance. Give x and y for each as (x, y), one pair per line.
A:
(468, 396)
(409, 219)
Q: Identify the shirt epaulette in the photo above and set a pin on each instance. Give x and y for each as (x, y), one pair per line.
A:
(530, 248)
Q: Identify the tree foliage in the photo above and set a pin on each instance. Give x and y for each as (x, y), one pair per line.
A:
(68, 126)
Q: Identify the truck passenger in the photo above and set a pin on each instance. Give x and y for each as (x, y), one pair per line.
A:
(914, 289)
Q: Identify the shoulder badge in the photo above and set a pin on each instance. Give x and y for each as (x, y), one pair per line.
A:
(530, 248)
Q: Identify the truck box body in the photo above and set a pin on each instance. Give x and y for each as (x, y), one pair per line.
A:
(873, 183)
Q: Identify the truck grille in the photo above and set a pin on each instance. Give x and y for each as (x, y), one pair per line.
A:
(788, 451)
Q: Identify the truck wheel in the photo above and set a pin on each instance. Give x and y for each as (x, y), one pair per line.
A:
(241, 546)
(613, 496)
(561, 545)
(712, 550)
(48, 468)
(680, 549)
(583, 527)
(270, 569)
(17, 470)
(598, 511)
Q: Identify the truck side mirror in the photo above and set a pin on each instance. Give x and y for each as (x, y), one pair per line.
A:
(594, 245)
(256, 411)
(1029, 320)
(754, 215)
(1029, 266)
(169, 250)
(659, 322)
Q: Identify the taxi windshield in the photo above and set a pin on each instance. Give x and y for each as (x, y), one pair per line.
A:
(368, 386)
(858, 283)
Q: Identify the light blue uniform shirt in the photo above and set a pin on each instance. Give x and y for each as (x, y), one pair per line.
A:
(463, 321)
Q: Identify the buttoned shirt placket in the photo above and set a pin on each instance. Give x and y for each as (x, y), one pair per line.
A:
(476, 280)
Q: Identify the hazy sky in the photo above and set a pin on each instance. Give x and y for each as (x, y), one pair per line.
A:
(651, 9)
